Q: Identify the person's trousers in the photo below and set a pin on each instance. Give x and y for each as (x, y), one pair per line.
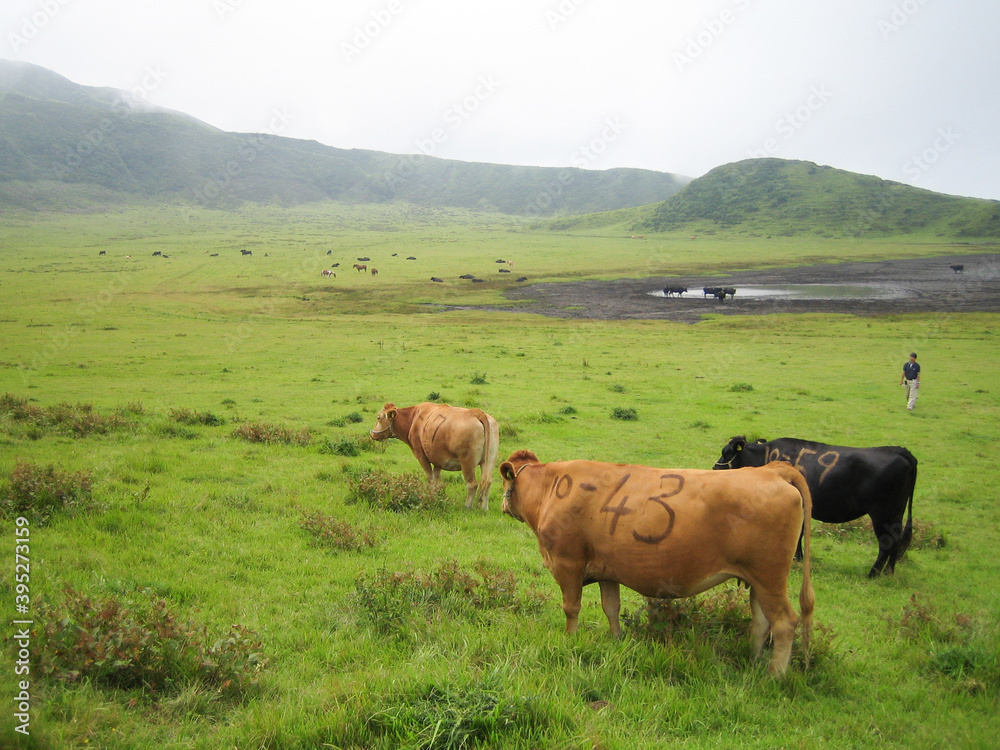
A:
(911, 394)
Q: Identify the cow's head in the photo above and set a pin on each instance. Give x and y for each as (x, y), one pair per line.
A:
(734, 455)
(383, 423)
(509, 470)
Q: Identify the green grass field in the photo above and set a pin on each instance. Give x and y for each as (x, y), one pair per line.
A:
(446, 631)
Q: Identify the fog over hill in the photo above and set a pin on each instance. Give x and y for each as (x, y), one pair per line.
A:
(61, 143)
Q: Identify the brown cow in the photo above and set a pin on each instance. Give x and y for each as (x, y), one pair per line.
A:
(669, 533)
(446, 437)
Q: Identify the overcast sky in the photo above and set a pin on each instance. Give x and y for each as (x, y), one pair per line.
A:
(908, 90)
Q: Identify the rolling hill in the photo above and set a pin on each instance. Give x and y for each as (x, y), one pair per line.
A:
(64, 145)
(778, 197)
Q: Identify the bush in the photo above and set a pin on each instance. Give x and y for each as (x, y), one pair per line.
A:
(389, 599)
(263, 432)
(343, 447)
(741, 388)
(139, 646)
(625, 415)
(337, 534)
(38, 492)
(393, 492)
(478, 379)
(63, 419)
(189, 417)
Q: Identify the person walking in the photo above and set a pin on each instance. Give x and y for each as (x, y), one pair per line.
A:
(911, 379)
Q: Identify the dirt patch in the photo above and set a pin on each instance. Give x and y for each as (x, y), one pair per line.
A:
(916, 285)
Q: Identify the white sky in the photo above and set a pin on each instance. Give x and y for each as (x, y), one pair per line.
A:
(908, 90)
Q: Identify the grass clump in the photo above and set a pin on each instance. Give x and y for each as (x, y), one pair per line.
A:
(389, 600)
(79, 420)
(625, 414)
(39, 492)
(139, 646)
(396, 493)
(271, 434)
(341, 535)
(741, 388)
(192, 417)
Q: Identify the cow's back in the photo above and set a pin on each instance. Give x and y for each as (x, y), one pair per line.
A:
(666, 532)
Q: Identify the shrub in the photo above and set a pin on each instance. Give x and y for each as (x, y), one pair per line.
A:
(478, 379)
(337, 534)
(433, 396)
(625, 415)
(64, 419)
(343, 447)
(389, 599)
(263, 432)
(393, 492)
(189, 416)
(741, 388)
(38, 492)
(138, 646)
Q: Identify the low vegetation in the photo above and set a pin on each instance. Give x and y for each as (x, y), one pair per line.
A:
(242, 566)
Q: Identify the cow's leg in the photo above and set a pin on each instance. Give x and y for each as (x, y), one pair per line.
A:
(469, 472)
(759, 626)
(782, 618)
(484, 486)
(611, 603)
(889, 533)
(571, 584)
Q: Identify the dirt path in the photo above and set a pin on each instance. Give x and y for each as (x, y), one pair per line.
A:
(913, 285)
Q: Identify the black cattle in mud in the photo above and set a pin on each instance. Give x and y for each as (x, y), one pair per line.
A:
(669, 291)
(957, 269)
(846, 483)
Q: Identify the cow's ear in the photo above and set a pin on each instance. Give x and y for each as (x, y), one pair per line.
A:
(390, 414)
(507, 470)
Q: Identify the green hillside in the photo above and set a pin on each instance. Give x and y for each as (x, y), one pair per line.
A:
(65, 145)
(781, 198)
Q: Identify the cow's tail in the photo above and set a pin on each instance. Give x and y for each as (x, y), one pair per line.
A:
(907, 536)
(807, 598)
(491, 448)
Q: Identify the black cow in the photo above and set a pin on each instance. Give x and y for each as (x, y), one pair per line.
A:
(846, 483)
(711, 291)
(958, 269)
(671, 290)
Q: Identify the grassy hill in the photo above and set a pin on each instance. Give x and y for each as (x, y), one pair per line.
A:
(777, 197)
(64, 145)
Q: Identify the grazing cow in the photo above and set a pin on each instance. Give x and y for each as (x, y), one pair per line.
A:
(359, 267)
(335, 265)
(366, 259)
(958, 269)
(504, 270)
(214, 255)
(466, 276)
(374, 272)
(668, 533)
(521, 278)
(846, 483)
(411, 257)
(246, 252)
(499, 260)
(103, 252)
(446, 438)
(156, 253)
(711, 291)
(435, 278)
(329, 252)
(671, 290)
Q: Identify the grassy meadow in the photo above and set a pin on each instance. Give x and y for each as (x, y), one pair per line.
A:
(439, 627)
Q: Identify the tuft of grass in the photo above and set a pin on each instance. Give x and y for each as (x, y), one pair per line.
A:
(396, 493)
(331, 532)
(192, 417)
(478, 379)
(741, 388)
(79, 420)
(139, 646)
(624, 414)
(39, 492)
(264, 432)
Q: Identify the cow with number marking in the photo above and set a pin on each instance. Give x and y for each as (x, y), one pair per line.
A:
(846, 483)
(669, 533)
(447, 438)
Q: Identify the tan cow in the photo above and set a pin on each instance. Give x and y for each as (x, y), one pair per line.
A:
(446, 437)
(669, 533)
